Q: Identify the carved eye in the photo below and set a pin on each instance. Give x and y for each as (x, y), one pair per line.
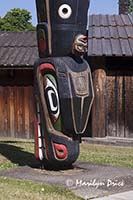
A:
(52, 99)
(65, 11)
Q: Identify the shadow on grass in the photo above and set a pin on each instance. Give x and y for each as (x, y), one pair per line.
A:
(22, 158)
(17, 156)
(16, 142)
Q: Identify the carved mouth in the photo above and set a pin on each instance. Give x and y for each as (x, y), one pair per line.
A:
(60, 151)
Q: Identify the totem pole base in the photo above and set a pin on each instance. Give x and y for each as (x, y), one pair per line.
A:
(64, 94)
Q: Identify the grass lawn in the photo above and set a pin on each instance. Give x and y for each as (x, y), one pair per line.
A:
(18, 152)
(103, 154)
(12, 189)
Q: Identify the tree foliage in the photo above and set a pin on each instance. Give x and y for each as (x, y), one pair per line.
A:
(16, 20)
(130, 6)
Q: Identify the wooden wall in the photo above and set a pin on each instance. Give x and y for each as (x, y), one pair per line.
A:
(112, 112)
(17, 106)
(119, 103)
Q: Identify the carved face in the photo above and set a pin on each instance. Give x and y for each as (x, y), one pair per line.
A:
(65, 19)
(63, 11)
(69, 11)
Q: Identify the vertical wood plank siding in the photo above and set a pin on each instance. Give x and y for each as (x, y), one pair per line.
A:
(112, 113)
(17, 111)
(110, 105)
(129, 105)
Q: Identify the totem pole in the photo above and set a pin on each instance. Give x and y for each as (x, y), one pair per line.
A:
(63, 83)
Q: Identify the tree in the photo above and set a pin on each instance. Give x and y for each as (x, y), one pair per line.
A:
(130, 6)
(16, 20)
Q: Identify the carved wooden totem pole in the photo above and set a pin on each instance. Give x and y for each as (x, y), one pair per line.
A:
(63, 83)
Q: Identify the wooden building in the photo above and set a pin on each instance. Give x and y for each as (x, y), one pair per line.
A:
(18, 52)
(110, 54)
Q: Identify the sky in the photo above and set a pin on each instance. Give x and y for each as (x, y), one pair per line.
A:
(96, 7)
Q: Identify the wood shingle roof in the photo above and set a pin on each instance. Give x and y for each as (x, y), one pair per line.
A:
(18, 48)
(109, 35)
